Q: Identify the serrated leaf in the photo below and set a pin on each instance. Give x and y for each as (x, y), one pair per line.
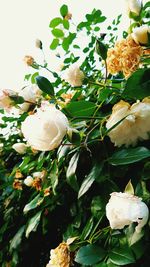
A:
(33, 223)
(129, 155)
(45, 85)
(89, 255)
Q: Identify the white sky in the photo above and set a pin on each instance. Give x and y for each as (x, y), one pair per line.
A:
(22, 21)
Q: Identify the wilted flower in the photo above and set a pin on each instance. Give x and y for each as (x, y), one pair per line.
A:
(28, 181)
(140, 34)
(45, 129)
(17, 184)
(73, 75)
(29, 60)
(124, 209)
(60, 256)
(5, 98)
(18, 174)
(41, 174)
(47, 191)
(37, 184)
(20, 147)
(38, 43)
(68, 16)
(125, 57)
(134, 6)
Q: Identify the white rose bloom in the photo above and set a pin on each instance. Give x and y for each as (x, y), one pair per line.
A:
(135, 125)
(124, 209)
(20, 148)
(28, 181)
(5, 100)
(45, 129)
(140, 34)
(73, 75)
(134, 6)
(30, 93)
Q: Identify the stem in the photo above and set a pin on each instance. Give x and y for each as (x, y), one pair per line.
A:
(106, 71)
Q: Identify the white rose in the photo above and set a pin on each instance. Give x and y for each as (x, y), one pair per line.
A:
(30, 93)
(140, 34)
(134, 6)
(28, 181)
(45, 129)
(73, 75)
(5, 100)
(124, 209)
(20, 147)
(134, 126)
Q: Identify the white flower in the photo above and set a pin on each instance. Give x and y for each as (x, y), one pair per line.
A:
(134, 6)
(124, 208)
(45, 129)
(30, 93)
(20, 147)
(140, 34)
(28, 181)
(5, 100)
(73, 75)
(135, 124)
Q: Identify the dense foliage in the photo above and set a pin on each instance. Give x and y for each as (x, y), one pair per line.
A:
(59, 194)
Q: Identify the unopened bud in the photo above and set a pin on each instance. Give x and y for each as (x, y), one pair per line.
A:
(38, 44)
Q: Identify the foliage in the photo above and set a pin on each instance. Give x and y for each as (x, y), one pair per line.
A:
(85, 169)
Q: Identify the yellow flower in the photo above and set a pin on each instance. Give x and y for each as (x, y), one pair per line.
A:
(60, 256)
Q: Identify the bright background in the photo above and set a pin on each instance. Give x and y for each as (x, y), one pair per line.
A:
(23, 21)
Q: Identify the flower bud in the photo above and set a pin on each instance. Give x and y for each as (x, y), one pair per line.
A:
(73, 75)
(28, 181)
(140, 34)
(38, 44)
(124, 209)
(20, 148)
(29, 60)
(134, 6)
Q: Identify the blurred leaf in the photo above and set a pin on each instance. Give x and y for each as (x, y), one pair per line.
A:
(58, 33)
(89, 179)
(101, 49)
(33, 223)
(129, 155)
(81, 108)
(54, 44)
(64, 10)
(98, 206)
(45, 85)
(34, 203)
(70, 174)
(129, 188)
(121, 255)
(89, 255)
(17, 99)
(138, 85)
(87, 229)
(16, 240)
(55, 22)
(54, 176)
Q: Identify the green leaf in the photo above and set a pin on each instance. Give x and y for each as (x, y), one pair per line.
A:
(129, 188)
(101, 49)
(34, 203)
(45, 85)
(89, 255)
(121, 256)
(54, 176)
(64, 10)
(87, 229)
(54, 44)
(129, 155)
(17, 99)
(132, 235)
(55, 22)
(70, 174)
(102, 264)
(15, 242)
(58, 33)
(66, 24)
(80, 108)
(33, 80)
(88, 181)
(33, 223)
(138, 85)
(67, 41)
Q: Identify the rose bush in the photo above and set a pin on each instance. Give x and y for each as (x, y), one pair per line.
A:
(72, 139)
